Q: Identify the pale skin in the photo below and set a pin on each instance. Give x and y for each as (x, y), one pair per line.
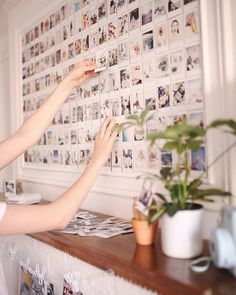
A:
(55, 215)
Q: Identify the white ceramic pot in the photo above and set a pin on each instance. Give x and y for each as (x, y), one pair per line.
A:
(181, 234)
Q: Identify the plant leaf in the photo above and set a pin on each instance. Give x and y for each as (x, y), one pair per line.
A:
(153, 218)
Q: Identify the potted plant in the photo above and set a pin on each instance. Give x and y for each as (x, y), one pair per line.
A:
(178, 207)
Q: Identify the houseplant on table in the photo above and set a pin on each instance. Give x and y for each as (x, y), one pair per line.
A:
(181, 214)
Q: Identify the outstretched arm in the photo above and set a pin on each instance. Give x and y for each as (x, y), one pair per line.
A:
(35, 125)
(38, 218)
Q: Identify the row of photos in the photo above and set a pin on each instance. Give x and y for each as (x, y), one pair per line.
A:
(153, 51)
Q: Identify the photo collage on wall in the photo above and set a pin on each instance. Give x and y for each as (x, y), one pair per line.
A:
(148, 55)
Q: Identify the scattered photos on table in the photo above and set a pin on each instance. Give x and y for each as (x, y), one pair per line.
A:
(148, 55)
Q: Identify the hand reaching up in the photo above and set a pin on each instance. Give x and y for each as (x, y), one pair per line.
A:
(104, 141)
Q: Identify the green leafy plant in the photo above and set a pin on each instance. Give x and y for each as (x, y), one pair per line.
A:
(182, 139)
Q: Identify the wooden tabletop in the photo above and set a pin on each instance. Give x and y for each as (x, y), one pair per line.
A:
(143, 265)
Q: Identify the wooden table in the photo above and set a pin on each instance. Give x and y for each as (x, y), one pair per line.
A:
(143, 265)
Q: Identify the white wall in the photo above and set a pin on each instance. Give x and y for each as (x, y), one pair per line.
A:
(119, 205)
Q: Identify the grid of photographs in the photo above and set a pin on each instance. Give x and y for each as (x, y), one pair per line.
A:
(148, 55)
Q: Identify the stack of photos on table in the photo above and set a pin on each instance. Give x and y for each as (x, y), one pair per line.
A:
(148, 55)
(86, 225)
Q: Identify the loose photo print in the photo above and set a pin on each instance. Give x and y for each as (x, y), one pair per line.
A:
(174, 7)
(116, 158)
(112, 30)
(114, 81)
(127, 160)
(124, 78)
(196, 119)
(192, 26)
(123, 26)
(101, 60)
(137, 104)
(123, 53)
(9, 187)
(136, 74)
(67, 289)
(149, 71)
(113, 57)
(140, 158)
(166, 159)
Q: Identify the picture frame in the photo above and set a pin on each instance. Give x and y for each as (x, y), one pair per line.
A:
(9, 187)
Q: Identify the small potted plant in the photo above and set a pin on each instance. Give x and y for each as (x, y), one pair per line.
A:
(181, 214)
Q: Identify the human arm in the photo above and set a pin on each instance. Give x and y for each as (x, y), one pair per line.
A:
(38, 218)
(35, 125)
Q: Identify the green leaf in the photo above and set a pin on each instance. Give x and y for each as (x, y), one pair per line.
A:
(171, 209)
(155, 216)
(195, 184)
(161, 196)
(165, 172)
(202, 193)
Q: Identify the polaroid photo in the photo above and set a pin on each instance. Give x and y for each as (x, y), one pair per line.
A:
(136, 74)
(102, 35)
(73, 114)
(67, 289)
(152, 158)
(82, 158)
(178, 93)
(152, 125)
(25, 282)
(174, 7)
(86, 89)
(115, 106)
(65, 113)
(103, 83)
(96, 110)
(166, 159)
(127, 160)
(164, 121)
(179, 118)
(101, 60)
(137, 104)
(175, 26)
(163, 92)
(93, 13)
(190, 4)
(124, 78)
(112, 31)
(139, 133)
(68, 157)
(116, 157)
(67, 136)
(162, 66)
(85, 43)
(95, 128)
(122, 25)
(78, 47)
(60, 137)
(145, 198)
(195, 93)
(150, 99)
(177, 64)
(149, 71)
(94, 40)
(160, 9)
(193, 60)
(71, 26)
(135, 48)
(113, 57)
(146, 14)
(80, 113)
(192, 26)
(73, 137)
(121, 6)
(85, 20)
(114, 81)
(134, 20)
(81, 135)
(77, 5)
(9, 187)
(125, 105)
(94, 87)
(161, 37)
(84, 3)
(123, 53)
(87, 112)
(102, 9)
(198, 160)
(197, 119)
(78, 25)
(112, 7)
(105, 108)
(148, 43)
(88, 132)
(140, 158)
(74, 156)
